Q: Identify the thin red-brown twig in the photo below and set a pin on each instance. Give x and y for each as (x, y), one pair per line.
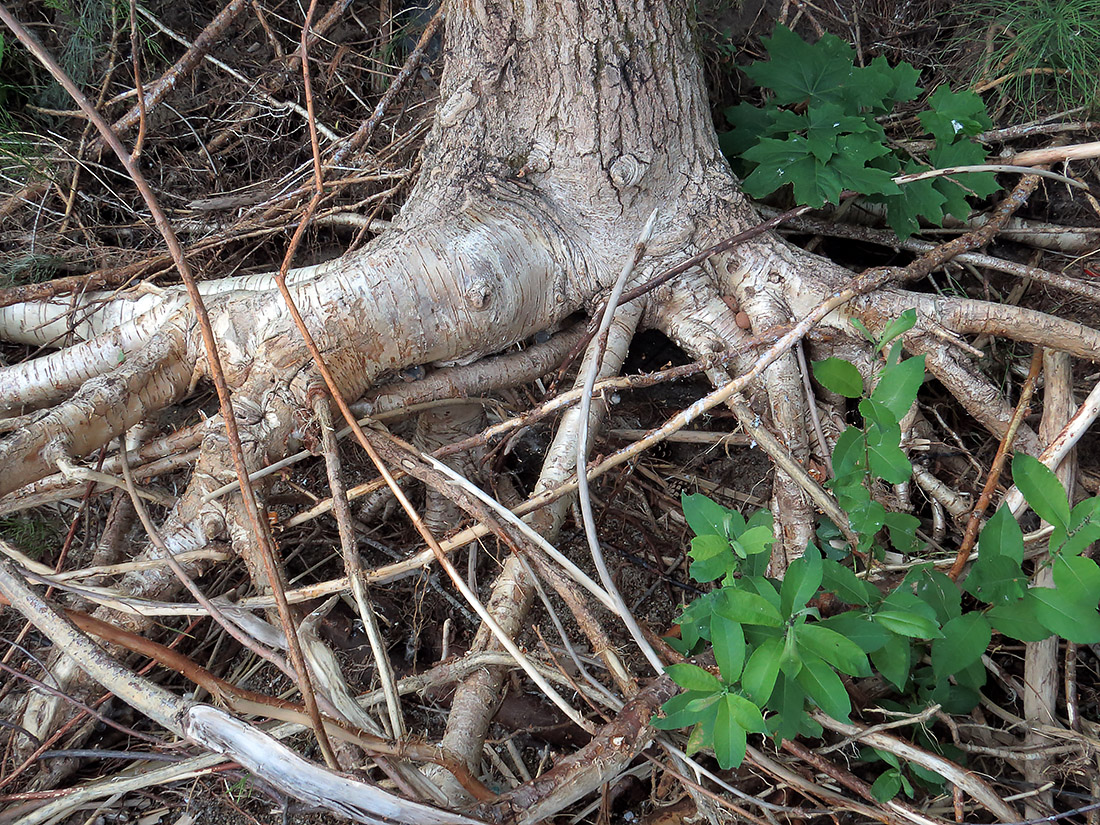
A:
(107, 720)
(365, 441)
(367, 128)
(78, 718)
(1004, 450)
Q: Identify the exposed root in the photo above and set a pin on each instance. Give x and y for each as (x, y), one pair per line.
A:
(965, 316)
(1041, 658)
(704, 333)
(102, 408)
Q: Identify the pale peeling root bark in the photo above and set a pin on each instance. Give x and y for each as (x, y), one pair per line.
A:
(50, 378)
(479, 282)
(103, 407)
(132, 316)
(1041, 658)
(436, 428)
(705, 326)
(967, 316)
(789, 467)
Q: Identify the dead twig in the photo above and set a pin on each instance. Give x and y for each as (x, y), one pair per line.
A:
(1004, 451)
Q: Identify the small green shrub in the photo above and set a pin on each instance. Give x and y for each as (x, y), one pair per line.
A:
(776, 655)
(873, 451)
(820, 133)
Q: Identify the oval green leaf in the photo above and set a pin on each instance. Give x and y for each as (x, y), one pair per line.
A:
(908, 624)
(1070, 608)
(843, 654)
(684, 709)
(729, 738)
(1017, 620)
(840, 376)
(756, 540)
(729, 646)
(1079, 578)
(711, 558)
(747, 608)
(965, 639)
(996, 579)
(824, 687)
(1002, 536)
(897, 388)
(761, 670)
(860, 629)
(707, 517)
(693, 677)
(801, 581)
(1042, 490)
(886, 787)
(908, 319)
(745, 713)
(893, 660)
(940, 593)
(1073, 621)
(849, 588)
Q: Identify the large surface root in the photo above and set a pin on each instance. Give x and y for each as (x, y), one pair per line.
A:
(702, 320)
(271, 407)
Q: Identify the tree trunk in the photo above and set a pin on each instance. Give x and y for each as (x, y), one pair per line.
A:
(560, 128)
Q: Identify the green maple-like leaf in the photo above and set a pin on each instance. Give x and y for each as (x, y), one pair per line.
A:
(919, 199)
(791, 161)
(953, 115)
(854, 168)
(956, 188)
(897, 83)
(819, 169)
(827, 122)
(749, 123)
(820, 134)
(965, 153)
(799, 71)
